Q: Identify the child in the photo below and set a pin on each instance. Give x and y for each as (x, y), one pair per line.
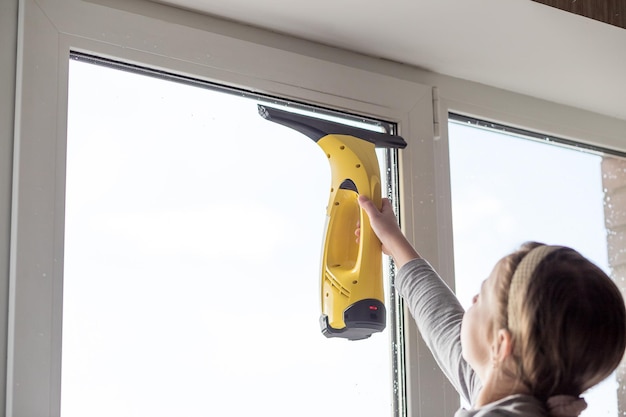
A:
(546, 326)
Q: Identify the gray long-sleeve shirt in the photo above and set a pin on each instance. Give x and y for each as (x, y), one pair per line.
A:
(438, 314)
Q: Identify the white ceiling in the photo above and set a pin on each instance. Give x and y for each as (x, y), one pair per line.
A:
(518, 45)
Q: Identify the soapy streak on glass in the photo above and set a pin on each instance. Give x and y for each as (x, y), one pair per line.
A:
(192, 261)
(507, 190)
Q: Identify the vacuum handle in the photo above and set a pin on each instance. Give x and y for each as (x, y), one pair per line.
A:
(351, 272)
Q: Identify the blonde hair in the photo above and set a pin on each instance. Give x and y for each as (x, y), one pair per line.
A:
(571, 329)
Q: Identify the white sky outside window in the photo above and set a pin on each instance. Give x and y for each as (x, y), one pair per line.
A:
(192, 254)
(507, 190)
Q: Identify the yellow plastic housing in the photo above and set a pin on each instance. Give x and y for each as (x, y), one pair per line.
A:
(351, 271)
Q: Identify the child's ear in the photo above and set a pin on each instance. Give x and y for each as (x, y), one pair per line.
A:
(503, 346)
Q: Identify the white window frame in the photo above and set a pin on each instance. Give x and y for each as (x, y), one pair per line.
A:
(49, 30)
(157, 36)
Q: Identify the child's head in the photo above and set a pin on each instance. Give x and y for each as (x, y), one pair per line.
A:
(566, 319)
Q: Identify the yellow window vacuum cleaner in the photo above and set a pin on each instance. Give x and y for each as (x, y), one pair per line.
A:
(352, 279)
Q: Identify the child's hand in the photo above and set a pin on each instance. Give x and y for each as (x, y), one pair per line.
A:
(385, 226)
(384, 222)
(357, 233)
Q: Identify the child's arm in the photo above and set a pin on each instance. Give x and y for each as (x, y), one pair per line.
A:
(438, 316)
(433, 305)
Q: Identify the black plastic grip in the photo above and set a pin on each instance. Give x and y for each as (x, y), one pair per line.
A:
(318, 128)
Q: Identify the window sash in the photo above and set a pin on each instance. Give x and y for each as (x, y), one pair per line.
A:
(53, 31)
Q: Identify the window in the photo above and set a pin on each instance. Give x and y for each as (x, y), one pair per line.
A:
(195, 48)
(192, 243)
(509, 187)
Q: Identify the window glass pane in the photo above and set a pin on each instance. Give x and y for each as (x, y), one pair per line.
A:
(193, 236)
(506, 190)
